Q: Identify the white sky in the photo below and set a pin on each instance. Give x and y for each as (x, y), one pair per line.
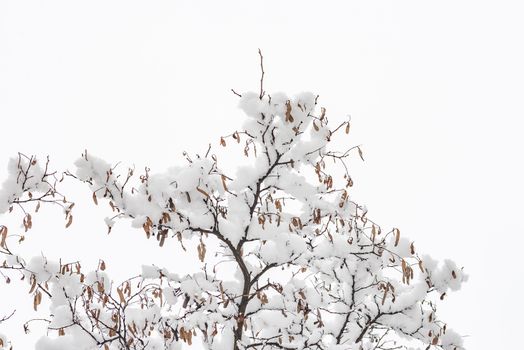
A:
(434, 89)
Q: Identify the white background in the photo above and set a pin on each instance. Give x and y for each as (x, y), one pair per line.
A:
(434, 89)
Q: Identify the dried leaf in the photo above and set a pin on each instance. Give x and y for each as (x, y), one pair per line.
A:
(162, 239)
(322, 113)
(201, 251)
(147, 226)
(202, 191)
(435, 340)
(397, 236)
(166, 217)
(27, 222)
(94, 198)
(121, 295)
(289, 117)
(420, 266)
(172, 206)
(69, 221)
(222, 292)
(3, 237)
(224, 183)
(37, 300)
(186, 301)
(179, 236)
(33, 284)
(360, 153)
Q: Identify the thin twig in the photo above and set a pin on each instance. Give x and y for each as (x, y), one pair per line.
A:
(5, 318)
(236, 93)
(262, 92)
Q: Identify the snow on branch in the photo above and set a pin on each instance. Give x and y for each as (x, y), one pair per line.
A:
(311, 269)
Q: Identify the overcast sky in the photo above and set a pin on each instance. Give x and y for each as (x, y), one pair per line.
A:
(434, 88)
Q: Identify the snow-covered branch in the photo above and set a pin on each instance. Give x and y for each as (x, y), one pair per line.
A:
(311, 270)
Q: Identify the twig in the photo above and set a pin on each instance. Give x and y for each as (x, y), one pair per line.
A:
(5, 318)
(262, 92)
(236, 93)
